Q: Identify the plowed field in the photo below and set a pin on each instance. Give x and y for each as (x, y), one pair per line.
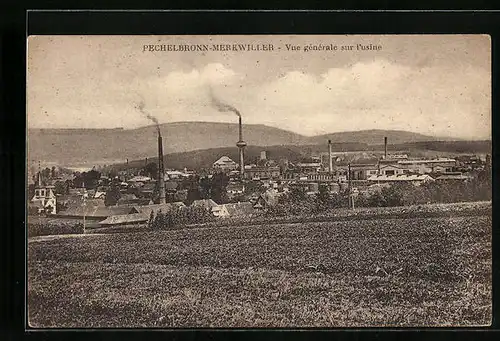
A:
(377, 272)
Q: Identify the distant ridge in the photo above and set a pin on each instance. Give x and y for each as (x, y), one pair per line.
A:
(77, 146)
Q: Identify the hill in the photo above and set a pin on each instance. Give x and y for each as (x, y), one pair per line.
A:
(97, 146)
(67, 146)
(375, 137)
(204, 158)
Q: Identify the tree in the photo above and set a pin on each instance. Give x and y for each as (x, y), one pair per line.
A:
(45, 174)
(113, 173)
(322, 199)
(151, 170)
(218, 186)
(91, 178)
(298, 194)
(61, 187)
(205, 187)
(31, 191)
(112, 194)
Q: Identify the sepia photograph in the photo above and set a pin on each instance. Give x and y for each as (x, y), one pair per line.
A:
(258, 181)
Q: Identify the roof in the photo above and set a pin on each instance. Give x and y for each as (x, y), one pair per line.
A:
(366, 164)
(408, 162)
(205, 203)
(453, 177)
(175, 172)
(239, 209)
(127, 196)
(140, 178)
(171, 185)
(394, 165)
(95, 210)
(309, 164)
(400, 177)
(235, 186)
(223, 160)
(133, 201)
(124, 219)
(263, 168)
(147, 209)
(270, 197)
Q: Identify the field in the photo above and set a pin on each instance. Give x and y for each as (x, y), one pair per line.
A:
(428, 271)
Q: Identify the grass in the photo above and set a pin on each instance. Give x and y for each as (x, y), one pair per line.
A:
(432, 271)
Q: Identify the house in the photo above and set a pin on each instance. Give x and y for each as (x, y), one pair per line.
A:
(322, 177)
(93, 209)
(397, 156)
(44, 199)
(267, 199)
(205, 203)
(155, 208)
(234, 210)
(390, 170)
(175, 174)
(359, 171)
(309, 167)
(415, 179)
(262, 172)
(235, 188)
(225, 164)
(131, 199)
(124, 219)
(140, 178)
(427, 166)
(453, 177)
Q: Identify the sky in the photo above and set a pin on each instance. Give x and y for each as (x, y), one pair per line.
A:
(431, 84)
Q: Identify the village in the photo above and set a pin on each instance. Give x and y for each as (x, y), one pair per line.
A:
(106, 197)
(211, 189)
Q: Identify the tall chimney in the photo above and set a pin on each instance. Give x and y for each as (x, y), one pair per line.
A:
(241, 146)
(330, 162)
(161, 173)
(39, 174)
(240, 129)
(385, 148)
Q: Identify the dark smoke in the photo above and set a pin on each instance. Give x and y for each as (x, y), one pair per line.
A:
(141, 107)
(221, 106)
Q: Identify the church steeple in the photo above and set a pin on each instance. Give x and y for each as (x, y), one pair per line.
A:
(39, 175)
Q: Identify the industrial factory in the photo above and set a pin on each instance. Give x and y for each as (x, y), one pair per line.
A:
(229, 188)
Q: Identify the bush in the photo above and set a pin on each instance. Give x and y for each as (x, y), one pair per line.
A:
(46, 229)
(478, 189)
(179, 217)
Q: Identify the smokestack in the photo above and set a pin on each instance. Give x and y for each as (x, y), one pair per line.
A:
(240, 129)
(385, 148)
(39, 174)
(161, 173)
(330, 162)
(241, 146)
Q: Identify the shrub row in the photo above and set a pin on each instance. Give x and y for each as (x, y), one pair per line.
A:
(46, 229)
(179, 217)
(363, 213)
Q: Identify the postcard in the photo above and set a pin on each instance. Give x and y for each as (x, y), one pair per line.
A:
(259, 181)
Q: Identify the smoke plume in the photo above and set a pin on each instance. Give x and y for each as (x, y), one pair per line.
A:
(221, 106)
(150, 117)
